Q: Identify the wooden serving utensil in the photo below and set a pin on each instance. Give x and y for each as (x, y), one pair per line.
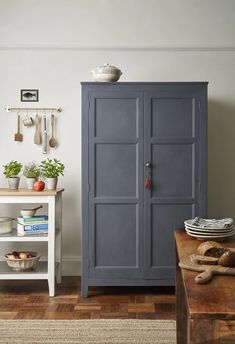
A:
(18, 135)
(207, 271)
(52, 141)
(37, 135)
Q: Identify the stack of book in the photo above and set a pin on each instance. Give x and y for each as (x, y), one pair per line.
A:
(35, 225)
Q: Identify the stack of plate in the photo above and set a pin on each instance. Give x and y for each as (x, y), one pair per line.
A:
(208, 233)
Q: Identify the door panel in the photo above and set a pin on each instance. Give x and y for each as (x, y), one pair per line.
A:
(116, 183)
(164, 218)
(172, 118)
(115, 170)
(116, 236)
(172, 136)
(116, 118)
(172, 170)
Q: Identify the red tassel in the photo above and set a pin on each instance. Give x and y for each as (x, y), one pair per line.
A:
(147, 183)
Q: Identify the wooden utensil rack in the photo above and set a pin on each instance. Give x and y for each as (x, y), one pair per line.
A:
(19, 109)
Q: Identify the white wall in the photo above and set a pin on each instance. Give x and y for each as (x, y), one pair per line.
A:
(52, 45)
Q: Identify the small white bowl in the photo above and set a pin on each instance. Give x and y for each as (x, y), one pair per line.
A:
(28, 212)
(23, 264)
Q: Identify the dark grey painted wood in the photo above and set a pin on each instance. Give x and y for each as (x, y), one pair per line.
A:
(85, 190)
(172, 170)
(172, 140)
(114, 223)
(127, 230)
(116, 118)
(144, 83)
(116, 183)
(115, 170)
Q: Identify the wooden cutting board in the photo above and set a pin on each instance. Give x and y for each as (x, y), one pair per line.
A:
(207, 271)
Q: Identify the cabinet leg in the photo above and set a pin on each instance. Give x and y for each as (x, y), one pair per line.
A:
(84, 288)
(58, 274)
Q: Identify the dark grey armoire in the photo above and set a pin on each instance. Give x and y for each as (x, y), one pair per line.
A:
(144, 168)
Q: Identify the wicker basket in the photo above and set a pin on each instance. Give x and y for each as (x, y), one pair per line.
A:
(23, 264)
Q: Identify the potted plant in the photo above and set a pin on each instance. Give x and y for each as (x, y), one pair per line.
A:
(51, 169)
(11, 171)
(32, 172)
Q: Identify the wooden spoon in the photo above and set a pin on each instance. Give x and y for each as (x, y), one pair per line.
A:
(18, 135)
(37, 135)
(52, 141)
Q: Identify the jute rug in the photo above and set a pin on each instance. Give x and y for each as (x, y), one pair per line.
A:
(88, 331)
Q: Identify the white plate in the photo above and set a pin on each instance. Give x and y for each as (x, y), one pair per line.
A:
(190, 224)
(210, 234)
(204, 237)
(203, 230)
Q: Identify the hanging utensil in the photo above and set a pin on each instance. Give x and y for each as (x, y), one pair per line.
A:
(37, 135)
(44, 136)
(28, 121)
(18, 135)
(52, 141)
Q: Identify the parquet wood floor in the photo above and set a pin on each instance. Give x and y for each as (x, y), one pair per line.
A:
(30, 300)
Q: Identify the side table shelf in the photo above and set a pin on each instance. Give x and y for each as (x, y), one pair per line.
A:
(45, 269)
(14, 237)
(40, 272)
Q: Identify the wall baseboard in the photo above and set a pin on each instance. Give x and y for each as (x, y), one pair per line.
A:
(71, 266)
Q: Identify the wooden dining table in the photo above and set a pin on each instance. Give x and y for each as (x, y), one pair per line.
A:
(205, 313)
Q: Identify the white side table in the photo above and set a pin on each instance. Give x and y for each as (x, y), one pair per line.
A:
(44, 270)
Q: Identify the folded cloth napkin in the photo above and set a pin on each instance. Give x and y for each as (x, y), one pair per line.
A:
(213, 223)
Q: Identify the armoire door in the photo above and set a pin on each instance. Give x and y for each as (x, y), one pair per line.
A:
(173, 137)
(116, 183)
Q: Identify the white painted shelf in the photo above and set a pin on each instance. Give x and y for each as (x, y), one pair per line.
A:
(14, 237)
(44, 270)
(40, 272)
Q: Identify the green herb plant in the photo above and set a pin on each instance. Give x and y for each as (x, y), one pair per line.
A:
(12, 169)
(52, 168)
(31, 170)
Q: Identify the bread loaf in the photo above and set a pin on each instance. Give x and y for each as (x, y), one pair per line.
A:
(214, 249)
(211, 249)
(195, 258)
(227, 259)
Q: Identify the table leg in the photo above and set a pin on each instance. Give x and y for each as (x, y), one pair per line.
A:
(203, 331)
(181, 305)
(51, 245)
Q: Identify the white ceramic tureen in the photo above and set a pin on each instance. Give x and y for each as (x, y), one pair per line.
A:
(106, 73)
